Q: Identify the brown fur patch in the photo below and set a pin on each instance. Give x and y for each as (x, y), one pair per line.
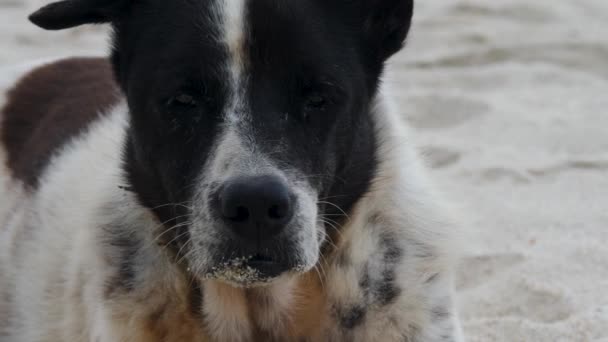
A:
(163, 313)
(48, 107)
(309, 309)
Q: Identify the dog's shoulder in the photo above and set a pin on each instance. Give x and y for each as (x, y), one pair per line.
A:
(50, 105)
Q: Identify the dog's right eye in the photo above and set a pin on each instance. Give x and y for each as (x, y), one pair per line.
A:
(184, 100)
(316, 101)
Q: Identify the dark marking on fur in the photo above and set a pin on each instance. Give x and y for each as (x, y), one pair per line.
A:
(6, 300)
(386, 290)
(122, 250)
(196, 297)
(352, 317)
(440, 313)
(432, 278)
(157, 315)
(446, 338)
(410, 332)
(392, 250)
(421, 250)
(382, 288)
(375, 220)
(365, 283)
(50, 106)
(126, 188)
(342, 258)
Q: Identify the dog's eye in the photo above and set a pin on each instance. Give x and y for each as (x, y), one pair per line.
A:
(316, 102)
(183, 100)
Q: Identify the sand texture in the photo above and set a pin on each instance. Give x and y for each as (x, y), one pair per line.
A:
(509, 101)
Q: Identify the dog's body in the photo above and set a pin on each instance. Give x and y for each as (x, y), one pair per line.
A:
(84, 252)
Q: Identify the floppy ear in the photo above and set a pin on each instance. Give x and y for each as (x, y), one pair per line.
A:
(70, 13)
(386, 24)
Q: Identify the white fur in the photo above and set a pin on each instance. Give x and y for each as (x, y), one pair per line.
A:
(226, 313)
(63, 216)
(231, 20)
(234, 33)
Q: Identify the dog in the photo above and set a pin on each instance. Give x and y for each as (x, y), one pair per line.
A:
(235, 171)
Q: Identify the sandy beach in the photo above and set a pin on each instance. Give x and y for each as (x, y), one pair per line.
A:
(508, 100)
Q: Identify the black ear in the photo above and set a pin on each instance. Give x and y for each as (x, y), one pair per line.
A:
(70, 13)
(386, 24)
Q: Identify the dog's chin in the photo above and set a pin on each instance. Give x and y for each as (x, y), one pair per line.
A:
(255, 271)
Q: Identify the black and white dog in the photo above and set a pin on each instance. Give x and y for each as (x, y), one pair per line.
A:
(235, 172)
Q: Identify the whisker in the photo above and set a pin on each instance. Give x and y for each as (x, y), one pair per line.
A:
(335, 206)
(331, 225)
(328, 240)
(155, 242)
(175, 238)
(324, 217)
(320, 266)
(180, 251)
(169, 229)
(320, 277)
(330, 197)
(179, 261)
(181, 204)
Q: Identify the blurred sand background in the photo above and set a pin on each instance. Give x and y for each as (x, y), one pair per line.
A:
(509, 100)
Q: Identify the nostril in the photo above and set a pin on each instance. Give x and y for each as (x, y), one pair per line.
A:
(233, 211)
(241, 214)
(276, 212)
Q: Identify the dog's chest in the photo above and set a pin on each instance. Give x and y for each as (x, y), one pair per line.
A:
(292, 311)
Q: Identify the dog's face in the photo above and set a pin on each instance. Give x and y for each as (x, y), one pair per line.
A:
(251, 131)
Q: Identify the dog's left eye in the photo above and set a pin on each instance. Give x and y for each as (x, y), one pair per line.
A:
(316, 102)
(183, 100)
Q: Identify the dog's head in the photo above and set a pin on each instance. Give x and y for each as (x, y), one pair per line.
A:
(251, 132)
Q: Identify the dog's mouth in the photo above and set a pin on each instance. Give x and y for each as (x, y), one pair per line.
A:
(252, 271)
(267, 265)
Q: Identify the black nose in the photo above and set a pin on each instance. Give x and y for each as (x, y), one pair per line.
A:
(256, 208)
